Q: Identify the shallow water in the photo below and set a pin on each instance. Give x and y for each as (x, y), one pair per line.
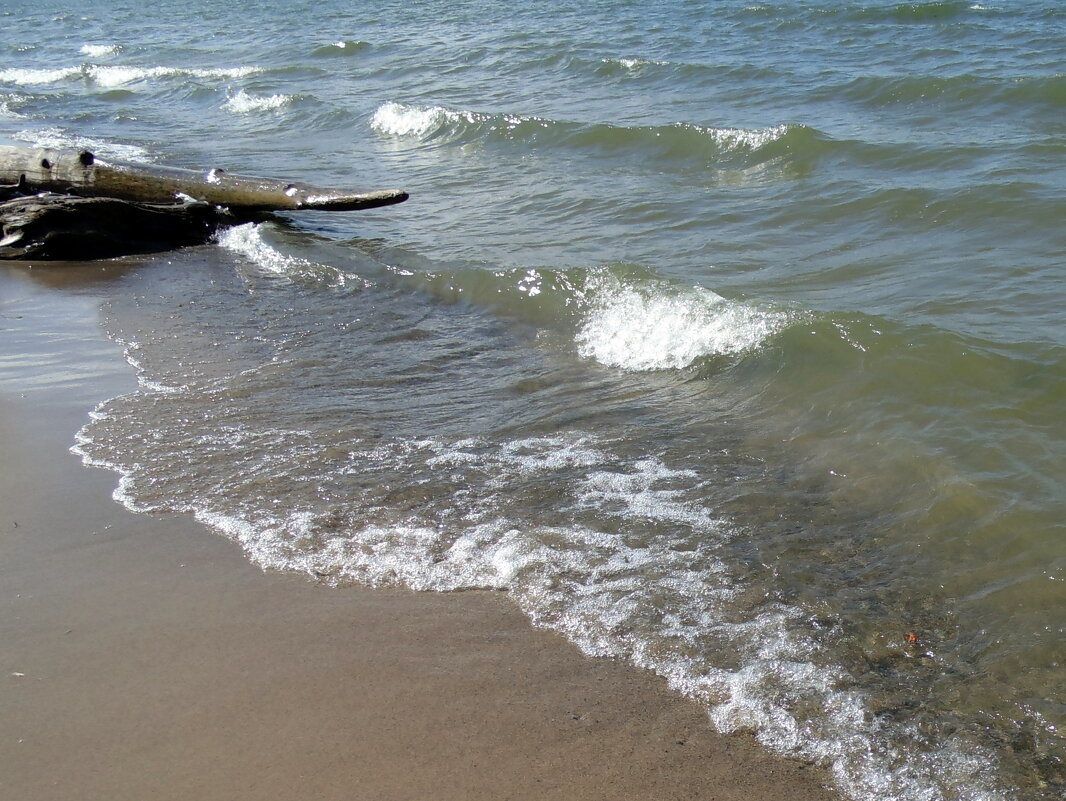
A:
(725, 338)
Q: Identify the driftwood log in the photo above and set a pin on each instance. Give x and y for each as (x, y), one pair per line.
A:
(70, 205)
(82, 173)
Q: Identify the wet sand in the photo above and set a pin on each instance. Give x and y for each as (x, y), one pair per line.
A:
(142, 656)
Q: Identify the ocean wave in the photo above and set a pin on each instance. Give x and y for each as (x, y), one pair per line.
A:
(119, 76)
(99, 51)
(31, 77)
(627, 66)
(244, 103)
(923, 12)
(969, 91)
(8, 102)
(60, 139)
(344, 47)
(112, 76)
(679, 140)
(620, 316)
(899, 13)
(657, 327)
(248, 242)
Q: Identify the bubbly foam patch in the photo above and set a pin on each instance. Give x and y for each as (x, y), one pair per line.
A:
(653, 327)
(626, 562)
(244, 103)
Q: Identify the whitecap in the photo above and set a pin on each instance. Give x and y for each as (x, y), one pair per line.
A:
(397, 119)
(247, 240)
(655, 327)
(32, 77)
(113, 76)
(98, 51)
(634, 64)
(6, 109)
(244, 103)
(58, 139)
(745, 138)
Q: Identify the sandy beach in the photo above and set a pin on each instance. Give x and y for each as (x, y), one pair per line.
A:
(144, 657)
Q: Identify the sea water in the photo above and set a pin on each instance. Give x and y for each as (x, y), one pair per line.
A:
(725, 337)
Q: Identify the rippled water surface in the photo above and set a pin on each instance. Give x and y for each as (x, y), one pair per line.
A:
(727, 338)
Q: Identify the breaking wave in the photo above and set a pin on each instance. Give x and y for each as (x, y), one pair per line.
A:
(109, 77)
(8, 104)
(618, 316)
(99, 51)
(656, 327)
(60, 139)
(244, 103)
(679, 140)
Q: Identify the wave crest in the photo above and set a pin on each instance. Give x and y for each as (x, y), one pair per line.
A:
(244, 103)
(99, 51)
(674, 141)
(656, 327)
(59, 139)
(111, 76)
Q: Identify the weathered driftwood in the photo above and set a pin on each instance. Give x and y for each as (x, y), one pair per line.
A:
(50, 226)
(71, 205)
(74, 173)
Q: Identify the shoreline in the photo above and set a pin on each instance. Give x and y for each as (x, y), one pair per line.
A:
(143, 656)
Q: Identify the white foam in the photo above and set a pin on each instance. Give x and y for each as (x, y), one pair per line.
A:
(32, 77)
(653, 327)
(634, 495)
(634, 64)
(552, 453)
(59, 139)
(114, 76)
(743, 138)
(397, 119)
(98, 51)
(247, 240)
(244, 103)
(650, 598)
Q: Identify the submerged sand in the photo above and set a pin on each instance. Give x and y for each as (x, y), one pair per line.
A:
(143, 657)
